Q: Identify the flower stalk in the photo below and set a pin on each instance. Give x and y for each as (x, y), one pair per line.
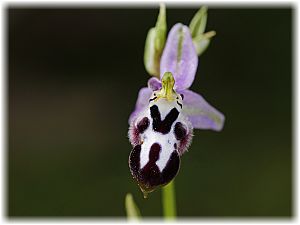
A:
(169, 201)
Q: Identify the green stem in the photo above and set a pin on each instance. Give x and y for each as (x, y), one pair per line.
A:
(169, 201)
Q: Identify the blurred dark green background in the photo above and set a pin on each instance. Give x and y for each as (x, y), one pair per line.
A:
(74, 75)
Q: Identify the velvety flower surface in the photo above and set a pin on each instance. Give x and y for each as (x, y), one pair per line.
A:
(180, 58)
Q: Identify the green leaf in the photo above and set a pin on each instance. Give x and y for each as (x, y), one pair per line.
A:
(132, 211)
(155, 43)
(198, 23)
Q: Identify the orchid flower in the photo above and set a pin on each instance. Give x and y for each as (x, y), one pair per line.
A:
(166, 111)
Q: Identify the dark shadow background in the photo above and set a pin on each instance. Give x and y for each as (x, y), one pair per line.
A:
(74, 75)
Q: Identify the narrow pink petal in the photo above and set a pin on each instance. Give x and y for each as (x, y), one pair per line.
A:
(200, 113)
(154, 84)
(180, 57)
(141, 103)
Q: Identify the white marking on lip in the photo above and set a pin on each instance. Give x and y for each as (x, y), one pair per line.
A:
(166, 141)
(145, 150)
(166, 150)
(167, 147)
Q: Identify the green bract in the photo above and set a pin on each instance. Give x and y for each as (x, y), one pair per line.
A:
(155, 43)
(198, 23)
(197, 27)
(202, 41)
(132, 210)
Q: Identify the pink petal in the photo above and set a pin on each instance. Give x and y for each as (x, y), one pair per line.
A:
(141, 103)
(180, 57)
(200, 113)
(154, 84)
